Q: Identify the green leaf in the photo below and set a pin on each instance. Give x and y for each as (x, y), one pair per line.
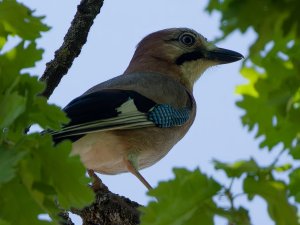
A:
(38, 110)
(271, 96)
(275, 194)
(16, 19)
(295, 151)
(295, 184)
(2, 42)
(187, 199)
(12, 106)
(238, 168)
(22, 106)
(283, 168)
(80, 195)
(20, 57)
(270, 108)
(48, 116)
(235, 216)
(50, 169)
(292, 21)
(249, 89)
(2, 222)
(8, 162)
(17, 206)
(268, 20)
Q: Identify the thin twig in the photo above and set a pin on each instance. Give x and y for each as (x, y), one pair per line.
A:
(277, 158)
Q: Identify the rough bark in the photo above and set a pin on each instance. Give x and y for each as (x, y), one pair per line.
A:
(108, 208)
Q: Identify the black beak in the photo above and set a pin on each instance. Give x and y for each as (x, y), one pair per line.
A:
(222, 55)
(218, 55)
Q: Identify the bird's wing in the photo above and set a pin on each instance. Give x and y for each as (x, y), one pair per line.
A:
(115, 109)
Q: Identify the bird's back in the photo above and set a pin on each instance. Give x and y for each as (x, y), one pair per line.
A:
(158, 87)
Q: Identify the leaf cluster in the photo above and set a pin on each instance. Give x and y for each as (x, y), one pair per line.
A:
(270, 99)
(36, 177)
(190, 198)
(193, 198)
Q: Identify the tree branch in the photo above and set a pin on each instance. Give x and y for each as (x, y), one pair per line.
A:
(75, 38)
(108, 208)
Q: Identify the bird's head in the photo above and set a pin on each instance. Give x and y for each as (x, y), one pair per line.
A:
(181, 53)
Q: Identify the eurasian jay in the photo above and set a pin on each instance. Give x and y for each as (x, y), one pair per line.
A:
(133, 120)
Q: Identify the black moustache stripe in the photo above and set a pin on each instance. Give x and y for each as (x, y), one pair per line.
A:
(190, 56)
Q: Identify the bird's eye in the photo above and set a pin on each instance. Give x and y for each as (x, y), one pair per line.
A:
(187, 39)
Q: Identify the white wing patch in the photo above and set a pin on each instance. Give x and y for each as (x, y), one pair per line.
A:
(127, 107)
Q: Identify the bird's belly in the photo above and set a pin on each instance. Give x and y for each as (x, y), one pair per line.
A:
(104, 152)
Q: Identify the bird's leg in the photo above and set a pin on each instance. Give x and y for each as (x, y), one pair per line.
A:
(131, 165)
(97, 183)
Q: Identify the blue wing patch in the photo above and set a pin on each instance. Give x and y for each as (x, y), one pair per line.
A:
(164, 115)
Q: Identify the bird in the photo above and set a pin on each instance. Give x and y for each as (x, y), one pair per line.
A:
(131, 121)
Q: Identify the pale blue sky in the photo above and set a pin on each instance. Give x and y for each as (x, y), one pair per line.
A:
(217, 132)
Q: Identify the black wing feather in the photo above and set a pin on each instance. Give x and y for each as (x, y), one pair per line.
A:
(101, 105)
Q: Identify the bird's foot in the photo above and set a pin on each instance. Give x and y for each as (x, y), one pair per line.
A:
(97, 183)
